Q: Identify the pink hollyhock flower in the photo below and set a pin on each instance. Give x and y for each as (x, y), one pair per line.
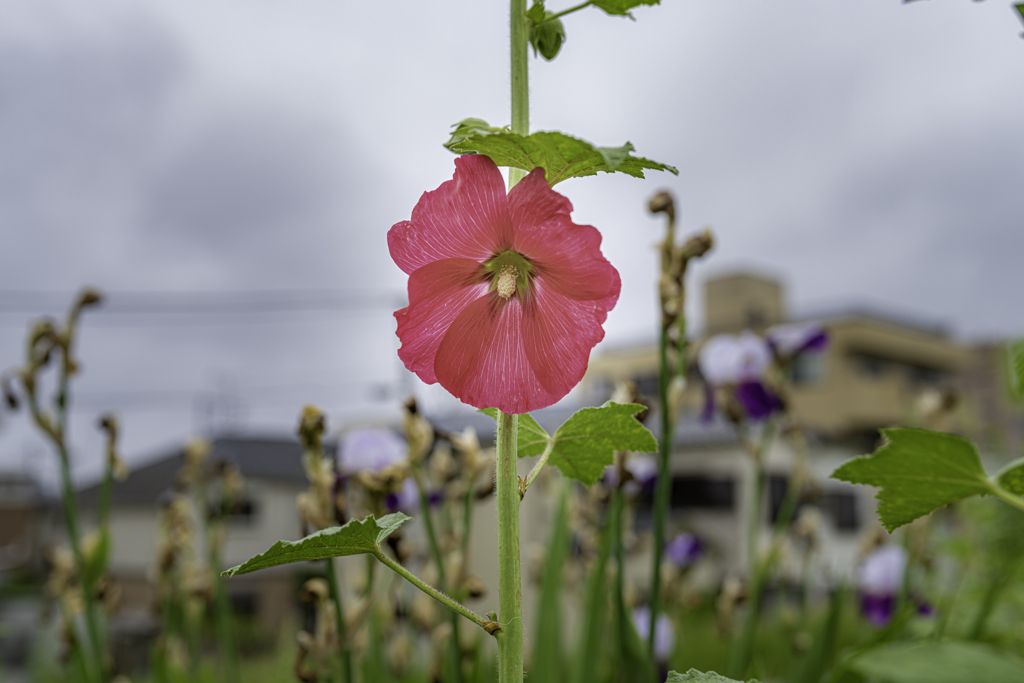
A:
(506, 294)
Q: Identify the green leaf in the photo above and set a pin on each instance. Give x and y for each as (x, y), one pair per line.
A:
(586, 443)
(694, 676)
(357, 537)
(467, 128)
(561, 156)
(938, 662)
(622, 7)
(531, 438)
(918, 471)
(1015, 368)
(1011, 477)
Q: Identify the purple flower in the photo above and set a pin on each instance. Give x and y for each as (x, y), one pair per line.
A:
(738, 362)
(880, 579)
(684, 550)
(370, 450)
(757, 401)
(407, 500)
(643, 469)
(877, 609)
(664, 631)
(790, 340)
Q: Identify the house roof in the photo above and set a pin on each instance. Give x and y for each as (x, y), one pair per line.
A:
(256, 457)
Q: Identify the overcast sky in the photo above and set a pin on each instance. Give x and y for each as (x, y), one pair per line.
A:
(867, 152)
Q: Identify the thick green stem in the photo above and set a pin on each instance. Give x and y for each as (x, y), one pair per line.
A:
(430, 590)
(345, 654)
(520, 26)
(510, 585)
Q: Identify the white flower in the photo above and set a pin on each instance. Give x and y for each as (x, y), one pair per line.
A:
(370, 450)
(664, 631)
(728, 359)
(882, 571)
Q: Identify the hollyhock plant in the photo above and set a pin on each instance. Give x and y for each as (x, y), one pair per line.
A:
(507, 295)
(739, 362)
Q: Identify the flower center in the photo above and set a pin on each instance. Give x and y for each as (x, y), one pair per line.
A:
(507, 281)
(509, 273)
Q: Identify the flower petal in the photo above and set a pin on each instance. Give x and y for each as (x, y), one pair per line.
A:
(482, 360)
(466, 217)
(566, 255)
(559, 333)
(438, 293)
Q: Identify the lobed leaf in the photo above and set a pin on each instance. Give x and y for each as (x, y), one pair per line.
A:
(938, 662)
(918, 471)
(531, 438)
(357, 537)
(694, 676)
(561, 156)
(585, 444)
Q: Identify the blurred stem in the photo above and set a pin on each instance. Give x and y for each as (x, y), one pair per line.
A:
(345, 655)
(615, 527)
(993, 590)
(663, 490)
(742, 649)
(58, 435)
(225, 627)
(595, 614)
(435, 551)
(510, 590)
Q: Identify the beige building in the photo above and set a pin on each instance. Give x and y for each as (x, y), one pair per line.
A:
(877, 371)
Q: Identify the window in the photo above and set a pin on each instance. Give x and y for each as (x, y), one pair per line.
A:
(709, 493)
(807, 369)
(755, 318)
(842, 507)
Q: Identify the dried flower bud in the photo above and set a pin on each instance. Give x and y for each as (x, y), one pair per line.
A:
(8, 390)
(698, 245)
(315, 590)
(663, 203)
(89, 297)
(419, 433)
(311, 426)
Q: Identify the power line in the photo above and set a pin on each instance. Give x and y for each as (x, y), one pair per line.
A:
(197, 307)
